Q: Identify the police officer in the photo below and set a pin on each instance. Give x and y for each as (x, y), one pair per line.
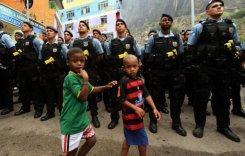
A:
(237, 79)
(211, 43)
(28, 75)
(53, 71)
(68, 38)
(119, 47)
(162, 58)
(103, 71)
(93, 51)
(7, 48)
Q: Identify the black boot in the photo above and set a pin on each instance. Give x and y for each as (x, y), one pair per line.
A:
(112, 124)
(227, 132)
(198, 132)
(95, 121)
(6, 111)
(240, 112)
(153, 127)
(21, 111)
(179, 130)
(47, 116)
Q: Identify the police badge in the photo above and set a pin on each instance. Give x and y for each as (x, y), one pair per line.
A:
(127, 46)
(231, 29)
(85, 44)
(55, 50)
(175, 44)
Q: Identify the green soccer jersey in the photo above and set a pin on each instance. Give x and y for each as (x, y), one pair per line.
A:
(74, 118)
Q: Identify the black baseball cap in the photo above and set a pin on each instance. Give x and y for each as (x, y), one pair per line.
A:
(166, 15)
(69, 32)
(213, 1)
(19, 33)
(120, 20)
(52, 28)
(29, 24)
(84, 22)
(97, 30)
(1, 24)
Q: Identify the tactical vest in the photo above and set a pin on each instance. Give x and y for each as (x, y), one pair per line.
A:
(29, 52)
(119, 49)
(211, 48)
(87, 45)
(53, 51)
(5, 55)
(166, 52)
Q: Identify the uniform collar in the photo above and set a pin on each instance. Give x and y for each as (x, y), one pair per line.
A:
(160, 34)
(55, 41)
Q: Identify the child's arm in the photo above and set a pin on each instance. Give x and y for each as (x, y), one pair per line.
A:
(85, 89)
(137, 110)
(151, 103)
(102, 88)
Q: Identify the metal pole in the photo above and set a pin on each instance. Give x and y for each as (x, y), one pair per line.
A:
(27, 10)
(192, 13)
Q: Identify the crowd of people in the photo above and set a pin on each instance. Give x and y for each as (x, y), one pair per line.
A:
(71, 73)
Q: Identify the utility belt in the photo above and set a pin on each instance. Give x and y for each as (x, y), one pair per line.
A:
(167, 61)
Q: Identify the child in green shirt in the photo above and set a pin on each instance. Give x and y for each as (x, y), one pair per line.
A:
(74, 122)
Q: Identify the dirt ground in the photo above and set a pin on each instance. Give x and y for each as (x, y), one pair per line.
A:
(26, 136)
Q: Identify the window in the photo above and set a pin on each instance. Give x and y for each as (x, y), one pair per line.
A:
(103, 5)
(69, 1)
(69, 26)
(70, 14)
(85, 10)
(103, 19)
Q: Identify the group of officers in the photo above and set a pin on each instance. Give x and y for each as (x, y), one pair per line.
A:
(198, 63)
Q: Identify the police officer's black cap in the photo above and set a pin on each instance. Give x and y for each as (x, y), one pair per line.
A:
(67, 31)
(1, 24)
(52, 28)
(19, 33)
(213, 1)
(166, 15)
(84, 22)
(120, 20)
(97, 30)
(152, 31)
(104, 35)
(29, 24)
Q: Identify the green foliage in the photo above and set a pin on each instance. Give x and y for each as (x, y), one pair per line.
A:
(239, 14)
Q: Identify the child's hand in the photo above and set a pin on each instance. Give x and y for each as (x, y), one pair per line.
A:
(111, 84)
(140, 112)
(84, 75)
(157, 114)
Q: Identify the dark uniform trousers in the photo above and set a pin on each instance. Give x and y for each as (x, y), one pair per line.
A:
(216, 81)
(6, 92)
(115, 74)
(92, 98)
(235, 90)
(53, 87)
(28, 79)
(173, 81)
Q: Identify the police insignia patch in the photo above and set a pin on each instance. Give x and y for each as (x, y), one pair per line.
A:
(127, 46)
(175, 44)
(55, 50)
(85, 44)
(27, 43)
(231, 29)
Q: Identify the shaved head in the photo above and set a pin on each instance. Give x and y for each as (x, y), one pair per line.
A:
(130, 58)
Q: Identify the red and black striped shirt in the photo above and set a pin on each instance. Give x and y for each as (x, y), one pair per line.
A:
(133, 91)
